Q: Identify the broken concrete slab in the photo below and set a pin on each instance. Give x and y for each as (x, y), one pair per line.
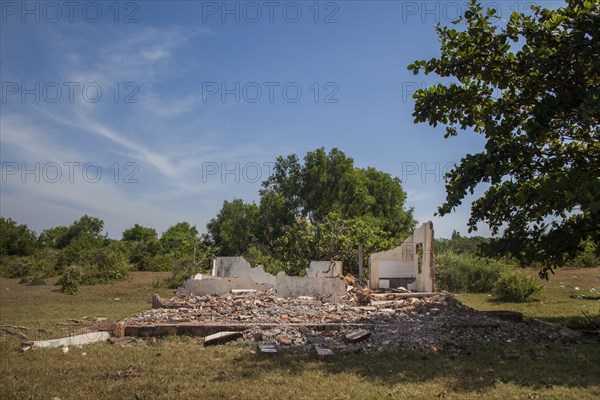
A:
(77, 340)
(267, 348)
(221, 337)
(358, 336)
(396, 296)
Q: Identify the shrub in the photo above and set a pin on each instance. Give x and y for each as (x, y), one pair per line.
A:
(183, 270)
(516, 287)
(17, 267)
(107, 265)
(70, 280)
(468, 273)
(588, 257)
(36, 281)
(162, 262)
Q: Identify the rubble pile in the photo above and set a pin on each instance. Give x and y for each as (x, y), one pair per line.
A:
(432, 322)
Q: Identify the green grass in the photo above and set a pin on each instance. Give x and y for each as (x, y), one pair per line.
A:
(48, 313)
(180, 367)
(556, 303)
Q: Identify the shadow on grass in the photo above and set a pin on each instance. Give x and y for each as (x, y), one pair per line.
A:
(538, 366)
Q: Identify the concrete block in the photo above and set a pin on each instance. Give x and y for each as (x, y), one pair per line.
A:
(267, 348)
(323, 353)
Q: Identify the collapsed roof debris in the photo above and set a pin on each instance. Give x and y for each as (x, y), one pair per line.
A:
(432, 321)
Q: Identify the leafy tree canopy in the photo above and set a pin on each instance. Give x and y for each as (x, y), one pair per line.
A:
(234, 227)
(15, 240)
(86, 230)
(532, 88)
(139, 233)
(319, 209)
(181, 239)
(329, 182)
(51, 237)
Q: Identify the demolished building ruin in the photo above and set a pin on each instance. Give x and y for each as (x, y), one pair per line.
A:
(409, 265)
(324, 310)
(235, 273)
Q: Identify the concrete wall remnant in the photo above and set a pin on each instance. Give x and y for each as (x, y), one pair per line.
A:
(230, 273)
(296, 286)
(207, 285)
(409, 265)
(325, 269)
(238, 267)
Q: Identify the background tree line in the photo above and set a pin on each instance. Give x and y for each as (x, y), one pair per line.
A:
(318, 209)
(81, 254)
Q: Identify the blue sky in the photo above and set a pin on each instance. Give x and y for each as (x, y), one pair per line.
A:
(154, 112)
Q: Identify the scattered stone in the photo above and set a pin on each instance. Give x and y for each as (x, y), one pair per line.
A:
(267, 348)
(511, 354)
(156, 301)
(123, 341)
(429, 322)
(507, 315)
(243, 291)
(568, 335)
(221, 337)
(323, 353)
(106, 325)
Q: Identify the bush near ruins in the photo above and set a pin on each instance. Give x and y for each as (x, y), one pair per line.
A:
(459, 268)
(468, 273)
(516, 287)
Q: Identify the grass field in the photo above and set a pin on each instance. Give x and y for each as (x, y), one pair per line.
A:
(179, 367)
